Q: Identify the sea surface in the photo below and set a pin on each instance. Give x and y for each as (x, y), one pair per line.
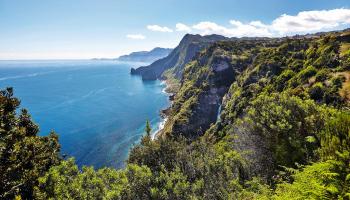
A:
(96, 107)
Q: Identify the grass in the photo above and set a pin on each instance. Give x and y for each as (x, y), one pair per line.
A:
(345, 90)
(173, 84)
(344, 49)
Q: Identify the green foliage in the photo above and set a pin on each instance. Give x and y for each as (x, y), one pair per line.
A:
(285, 121)
(199, 170)
(66, 181)
(280, 98)
(180, 169)
(316, 92)
(304, 75)
(139, 179)
(171, 185)
(24, 156)
(282, 79)
(148, 128)
(323, 180)
(322, 75)
(335, 137)
(317, 181)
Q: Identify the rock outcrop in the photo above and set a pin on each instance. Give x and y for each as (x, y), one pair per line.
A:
(204, 83)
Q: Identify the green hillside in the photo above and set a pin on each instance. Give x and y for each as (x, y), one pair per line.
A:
(253, 118)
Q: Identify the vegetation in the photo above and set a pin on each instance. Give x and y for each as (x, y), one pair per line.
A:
(24, 156)
(283, 133)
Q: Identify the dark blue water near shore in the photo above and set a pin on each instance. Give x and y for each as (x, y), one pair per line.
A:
(97, 108)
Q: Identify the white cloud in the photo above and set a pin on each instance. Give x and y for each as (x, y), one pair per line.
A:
(182, 27)
(254, 28)
(257, 24)
(308, 21)
(159, 28)
(210, 28)
(237, 29)
(136, 36)
(303, 22)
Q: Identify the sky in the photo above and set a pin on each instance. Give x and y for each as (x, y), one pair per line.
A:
(81, 29)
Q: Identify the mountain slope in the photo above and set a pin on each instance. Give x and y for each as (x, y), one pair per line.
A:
(189, 46)
(234, 79)
(146, 56)
(252, 119)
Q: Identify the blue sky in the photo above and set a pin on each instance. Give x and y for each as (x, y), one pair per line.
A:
(52, 29)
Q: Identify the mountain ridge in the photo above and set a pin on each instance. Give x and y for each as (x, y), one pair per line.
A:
(188, 47)
(146, 56)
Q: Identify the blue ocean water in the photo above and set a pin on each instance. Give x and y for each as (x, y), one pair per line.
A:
(96, 107)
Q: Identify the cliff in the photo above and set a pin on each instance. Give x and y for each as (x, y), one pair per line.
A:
(225, 78)
(189, 46)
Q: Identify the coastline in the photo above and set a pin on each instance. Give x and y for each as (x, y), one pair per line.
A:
(164, 112)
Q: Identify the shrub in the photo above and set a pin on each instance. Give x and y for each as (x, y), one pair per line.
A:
(316, 92)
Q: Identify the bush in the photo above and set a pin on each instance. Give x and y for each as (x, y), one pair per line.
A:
(281, 80)
(306, 73)
(316, 92)
(285, 121)
(322, 75)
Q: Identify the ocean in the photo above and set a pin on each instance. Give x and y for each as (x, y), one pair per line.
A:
(96, 107)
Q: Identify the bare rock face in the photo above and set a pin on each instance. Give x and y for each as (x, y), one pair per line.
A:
(164, 113)
(221, 66)
(202, 116)
(205, 111)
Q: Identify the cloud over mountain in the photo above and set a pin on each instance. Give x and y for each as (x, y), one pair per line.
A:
(311, 21)
(303, 22)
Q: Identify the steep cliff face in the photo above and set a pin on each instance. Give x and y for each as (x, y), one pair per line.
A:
(189, 46)
(205, 81)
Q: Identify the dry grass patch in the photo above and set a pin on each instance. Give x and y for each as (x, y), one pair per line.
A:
(344, 49)
(345, 90)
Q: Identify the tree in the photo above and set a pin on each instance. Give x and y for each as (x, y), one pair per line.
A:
(148, 128)
(24, 156)
(285, 121)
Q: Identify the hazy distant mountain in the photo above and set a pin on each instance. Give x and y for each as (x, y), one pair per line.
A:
(146, 56)
(176, 60)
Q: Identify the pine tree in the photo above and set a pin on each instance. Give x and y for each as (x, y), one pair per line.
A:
(145, 140)
(148, 128)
